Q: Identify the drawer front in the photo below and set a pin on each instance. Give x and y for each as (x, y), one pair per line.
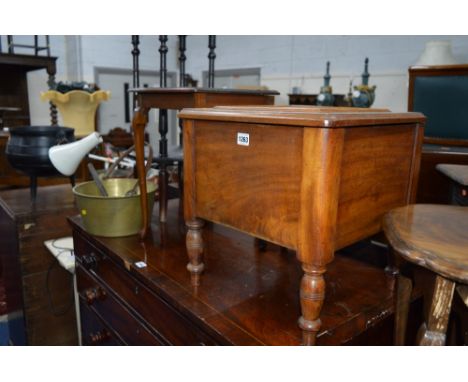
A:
(94, 332)
(165, 320)
(116, 316)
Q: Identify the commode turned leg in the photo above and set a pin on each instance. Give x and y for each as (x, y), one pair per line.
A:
(312, 295)
(194, 244)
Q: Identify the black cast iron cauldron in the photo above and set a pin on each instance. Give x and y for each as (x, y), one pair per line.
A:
(27, 150)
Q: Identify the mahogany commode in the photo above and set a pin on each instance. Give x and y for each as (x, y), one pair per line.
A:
(312, 180)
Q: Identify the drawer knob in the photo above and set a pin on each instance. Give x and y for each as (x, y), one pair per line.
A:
(94, 293)
(99, 337)
(90, 261)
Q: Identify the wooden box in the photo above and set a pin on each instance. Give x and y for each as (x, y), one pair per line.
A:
(311, 179)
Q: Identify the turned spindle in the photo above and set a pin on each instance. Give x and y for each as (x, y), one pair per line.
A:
(163, 129)
(182, 79)
(211, 60)
(194, 244)
(136, 66)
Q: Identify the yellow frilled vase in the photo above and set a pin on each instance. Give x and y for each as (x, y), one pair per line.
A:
(77, 108)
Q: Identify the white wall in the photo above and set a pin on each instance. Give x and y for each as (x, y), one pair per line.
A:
(288, 61)
(285, 61)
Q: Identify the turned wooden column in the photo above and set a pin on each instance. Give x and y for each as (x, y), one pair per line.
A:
(317, 218)
(182, 82)
(163, 128)
(182, 59)
(211, 60)
(194, 244)
(52, 84)
(136, 66)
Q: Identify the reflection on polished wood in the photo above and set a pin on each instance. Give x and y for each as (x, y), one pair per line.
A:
(433, 237)
(310, 179)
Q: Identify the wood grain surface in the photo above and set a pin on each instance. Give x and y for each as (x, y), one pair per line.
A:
(432, 236)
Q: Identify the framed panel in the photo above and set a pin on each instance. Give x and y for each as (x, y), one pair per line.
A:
(441, 94)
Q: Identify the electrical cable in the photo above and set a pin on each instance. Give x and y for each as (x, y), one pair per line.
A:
(52, 308)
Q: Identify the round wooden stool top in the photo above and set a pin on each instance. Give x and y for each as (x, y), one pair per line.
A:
(432, 236)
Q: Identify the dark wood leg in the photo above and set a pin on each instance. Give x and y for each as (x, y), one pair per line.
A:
(194, 244)
(180, 171)
(180, 175)
(261, 244)
(433, 331)
(393, 262)
(312, 295)
(33, 188)
(163, 177)
(404, 287)
(139, 121)
(163, 193)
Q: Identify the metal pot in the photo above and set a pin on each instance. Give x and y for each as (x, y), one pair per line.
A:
(114, 215)
(27, 149)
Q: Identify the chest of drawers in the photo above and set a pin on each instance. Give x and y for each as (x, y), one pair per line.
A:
(117, 308)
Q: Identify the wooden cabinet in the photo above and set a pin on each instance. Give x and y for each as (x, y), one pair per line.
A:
(37, 288)
(14, 89)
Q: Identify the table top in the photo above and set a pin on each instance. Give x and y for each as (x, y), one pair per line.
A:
(48, 200)
(311, 116)
(432, 236)
(202, 90)
(444, 149)
(456, 172)
(247, 296)
(8, 108)
(27, 61)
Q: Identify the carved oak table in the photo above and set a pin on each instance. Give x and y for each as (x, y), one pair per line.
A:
(311, 179)
(179, 98)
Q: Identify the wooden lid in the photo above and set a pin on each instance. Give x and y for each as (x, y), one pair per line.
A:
(307, 116)
(202, 90)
